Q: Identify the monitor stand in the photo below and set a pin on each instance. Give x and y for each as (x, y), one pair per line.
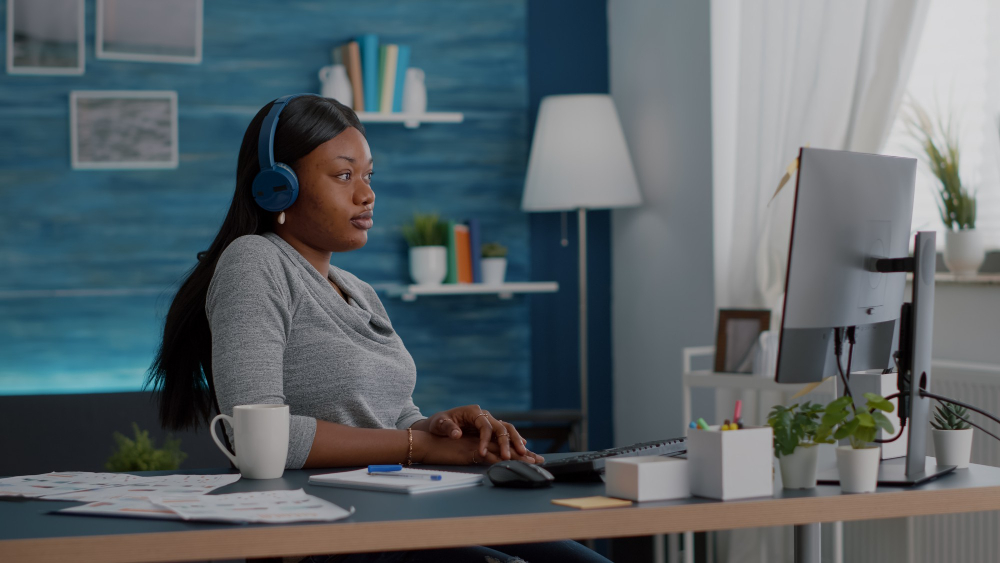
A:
(892, 473)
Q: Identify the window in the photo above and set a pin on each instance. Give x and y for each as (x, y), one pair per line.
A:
(956, 69)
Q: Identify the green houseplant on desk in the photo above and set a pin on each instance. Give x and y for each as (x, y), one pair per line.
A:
(794, 443)
(858, 462)
(952, 436)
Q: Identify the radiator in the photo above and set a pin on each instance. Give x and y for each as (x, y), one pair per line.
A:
(954, 538)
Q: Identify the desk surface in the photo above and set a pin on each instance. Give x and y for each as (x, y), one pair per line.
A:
(485, 515)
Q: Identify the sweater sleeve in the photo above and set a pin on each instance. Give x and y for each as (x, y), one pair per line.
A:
(249, 312)
(408, 415)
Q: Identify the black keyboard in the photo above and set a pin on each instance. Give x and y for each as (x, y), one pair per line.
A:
(589, 466)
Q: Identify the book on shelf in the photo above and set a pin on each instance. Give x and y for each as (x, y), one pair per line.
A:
(475, 250)
(387, 82)
(351, 55)
(452, 276)
(463, 253)
(402, 63)
(368, 45)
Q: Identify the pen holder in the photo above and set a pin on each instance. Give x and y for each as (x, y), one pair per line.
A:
(730, 464)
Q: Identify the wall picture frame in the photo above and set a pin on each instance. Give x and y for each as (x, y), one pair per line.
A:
(123, 129)
(736, 338)
(45, 37)
(153, 31)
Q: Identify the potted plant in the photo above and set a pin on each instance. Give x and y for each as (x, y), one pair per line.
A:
(427, 236)
(857, 462)
(952, 436)
(964, 251)
(494, 257)
(794, 446)
(140, 454)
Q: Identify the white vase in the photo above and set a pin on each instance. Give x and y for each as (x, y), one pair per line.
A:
(414, 94)
(798, 470)
(336, 84)
(964, 251)
(428, 264)
(858, 469)
(953, 447)
(494, 270)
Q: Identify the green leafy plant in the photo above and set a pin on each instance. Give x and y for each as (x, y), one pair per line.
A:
(939, 149)
(494, 250)
(794, 426)
(841, 419)
(426, 230)
(947, 417)
(140, 454)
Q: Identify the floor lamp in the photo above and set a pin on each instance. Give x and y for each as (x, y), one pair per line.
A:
(579, 161)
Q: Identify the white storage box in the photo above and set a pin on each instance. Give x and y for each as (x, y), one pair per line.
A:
(646, 478)
(731, 464)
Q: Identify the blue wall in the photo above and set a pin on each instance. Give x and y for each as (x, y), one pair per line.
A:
(568, 54)
(89, 259)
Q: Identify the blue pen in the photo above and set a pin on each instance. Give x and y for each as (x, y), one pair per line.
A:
(384, 468)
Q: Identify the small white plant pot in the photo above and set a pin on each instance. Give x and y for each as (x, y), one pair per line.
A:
(953, 447)
(964, 251)
(798, 470)
(858, 469)
(428, 264)
(494, 270)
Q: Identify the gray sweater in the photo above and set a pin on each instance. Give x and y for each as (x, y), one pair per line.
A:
(281, 334)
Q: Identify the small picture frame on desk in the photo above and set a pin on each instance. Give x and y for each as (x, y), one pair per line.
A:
(736, 339)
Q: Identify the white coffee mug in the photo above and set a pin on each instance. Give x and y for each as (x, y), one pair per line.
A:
(260, 436)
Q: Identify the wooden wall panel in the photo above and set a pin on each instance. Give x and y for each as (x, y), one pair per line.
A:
(88, 259)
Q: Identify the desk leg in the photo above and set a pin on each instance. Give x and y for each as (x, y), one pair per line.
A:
(808, 546)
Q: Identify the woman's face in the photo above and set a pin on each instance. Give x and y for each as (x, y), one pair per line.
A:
(334, 209)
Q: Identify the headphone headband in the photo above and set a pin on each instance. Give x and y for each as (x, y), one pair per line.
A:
(265, 143)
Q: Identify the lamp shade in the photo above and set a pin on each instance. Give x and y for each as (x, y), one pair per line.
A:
(579, 158)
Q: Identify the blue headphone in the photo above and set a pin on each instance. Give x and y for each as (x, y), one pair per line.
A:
(275, 187)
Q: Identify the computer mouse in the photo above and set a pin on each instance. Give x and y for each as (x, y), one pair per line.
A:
(519, 474)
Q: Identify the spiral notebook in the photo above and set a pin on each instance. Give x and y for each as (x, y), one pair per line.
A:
(360, 479)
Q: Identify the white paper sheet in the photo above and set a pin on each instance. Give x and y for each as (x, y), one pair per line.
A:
(257, 507)
(146, 487)
(126, 507)
(35, 486)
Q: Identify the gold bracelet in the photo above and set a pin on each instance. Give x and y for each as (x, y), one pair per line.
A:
(409, 451)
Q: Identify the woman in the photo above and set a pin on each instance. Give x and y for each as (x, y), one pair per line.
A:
(265, 318)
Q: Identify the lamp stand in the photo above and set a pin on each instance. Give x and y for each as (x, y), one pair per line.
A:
(581, 214)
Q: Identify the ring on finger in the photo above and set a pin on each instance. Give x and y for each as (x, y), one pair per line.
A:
(484, 413)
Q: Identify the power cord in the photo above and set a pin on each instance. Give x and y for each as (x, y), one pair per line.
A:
(838, 349)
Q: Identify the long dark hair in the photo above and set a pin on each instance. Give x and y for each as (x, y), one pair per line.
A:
(182, 369)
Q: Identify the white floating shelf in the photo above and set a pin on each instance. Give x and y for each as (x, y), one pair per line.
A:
(411, 120)
(504, 291)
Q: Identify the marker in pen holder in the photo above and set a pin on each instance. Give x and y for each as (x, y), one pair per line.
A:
(732, 464)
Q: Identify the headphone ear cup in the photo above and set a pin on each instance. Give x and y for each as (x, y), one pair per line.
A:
(277, 188)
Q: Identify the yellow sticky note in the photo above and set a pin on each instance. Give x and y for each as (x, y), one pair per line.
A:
(586, 503)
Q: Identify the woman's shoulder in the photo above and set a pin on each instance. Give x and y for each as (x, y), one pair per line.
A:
(249, 261)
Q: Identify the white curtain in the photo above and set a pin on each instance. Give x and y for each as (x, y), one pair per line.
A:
(785, 74)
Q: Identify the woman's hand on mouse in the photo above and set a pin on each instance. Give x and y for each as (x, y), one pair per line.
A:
(469, 420)
(432, 449)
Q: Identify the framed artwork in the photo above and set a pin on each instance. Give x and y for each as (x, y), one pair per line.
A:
(157, 31)
(45, 37)
(736, 338)
(126, 129)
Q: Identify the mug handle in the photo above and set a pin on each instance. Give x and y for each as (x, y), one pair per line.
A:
(211, 428)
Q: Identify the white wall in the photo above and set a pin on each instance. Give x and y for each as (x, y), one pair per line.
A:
(662, 284)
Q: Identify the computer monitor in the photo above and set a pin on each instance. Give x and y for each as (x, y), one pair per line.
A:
(849, 208)
(847, 259)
